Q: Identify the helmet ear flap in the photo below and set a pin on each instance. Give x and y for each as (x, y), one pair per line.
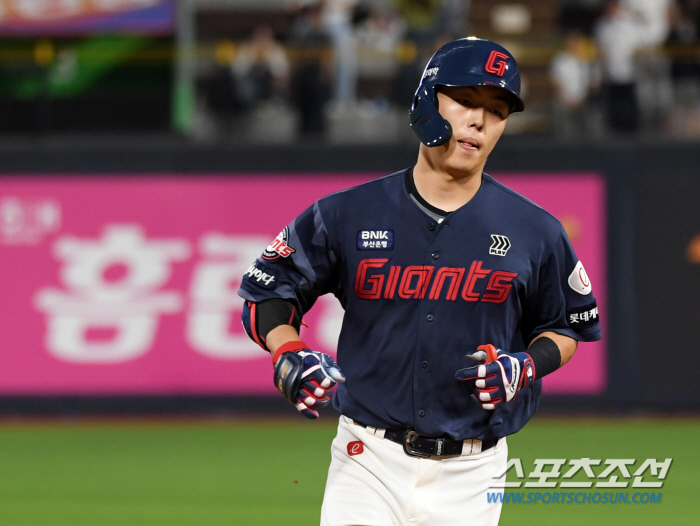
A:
(425, 119)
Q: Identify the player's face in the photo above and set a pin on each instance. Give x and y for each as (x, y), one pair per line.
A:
(478, 117)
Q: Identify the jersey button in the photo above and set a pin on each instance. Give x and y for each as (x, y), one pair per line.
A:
(431, 226)
(421, 413)
(435, 255)
(424, 364)
(429, 317)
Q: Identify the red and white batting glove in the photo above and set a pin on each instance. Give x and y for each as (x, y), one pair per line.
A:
(498, 380)
(305, 377)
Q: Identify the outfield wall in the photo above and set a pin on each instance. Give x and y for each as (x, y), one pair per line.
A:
(132, 282)
(86, 331)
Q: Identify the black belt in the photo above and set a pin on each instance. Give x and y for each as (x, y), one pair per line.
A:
(416, 445)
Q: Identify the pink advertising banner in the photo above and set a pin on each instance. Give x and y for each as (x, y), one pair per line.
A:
(127, 285)
(85, 17)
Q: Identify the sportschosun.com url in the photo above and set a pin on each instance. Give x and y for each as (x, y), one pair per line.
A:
(570, 497)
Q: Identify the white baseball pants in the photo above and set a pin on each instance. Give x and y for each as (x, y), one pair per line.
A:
(373, 482)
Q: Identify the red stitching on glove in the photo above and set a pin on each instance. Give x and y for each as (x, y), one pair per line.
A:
(292, 346)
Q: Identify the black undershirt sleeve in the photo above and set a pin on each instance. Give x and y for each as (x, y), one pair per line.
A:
(545, 355)
(273, 313)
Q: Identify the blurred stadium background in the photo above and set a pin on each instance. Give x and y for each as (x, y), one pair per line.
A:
(150, 148)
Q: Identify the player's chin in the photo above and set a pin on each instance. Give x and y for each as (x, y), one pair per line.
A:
(465, 163)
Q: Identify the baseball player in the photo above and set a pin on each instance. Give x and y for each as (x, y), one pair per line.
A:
(459, 296)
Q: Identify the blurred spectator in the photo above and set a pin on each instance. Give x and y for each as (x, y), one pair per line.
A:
(653, 68)
(407, 76)
(619, 36)
(309, 82)
(381, 29)
(573, 78)
(654, 15)
(379, 32)
(683, 38)
(260, 68)
(683, 24)
(421, 20)
(682, 45)
(337, 19)
(693, 9)
(453, 18)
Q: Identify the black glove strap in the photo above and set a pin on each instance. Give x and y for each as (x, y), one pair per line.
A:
(545, 355)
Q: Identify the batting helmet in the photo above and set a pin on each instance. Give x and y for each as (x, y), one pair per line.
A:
(464, 62)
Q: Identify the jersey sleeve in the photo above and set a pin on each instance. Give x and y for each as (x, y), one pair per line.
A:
(299, 265)
(562, 300)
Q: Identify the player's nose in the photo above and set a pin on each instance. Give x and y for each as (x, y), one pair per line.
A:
(475, 118)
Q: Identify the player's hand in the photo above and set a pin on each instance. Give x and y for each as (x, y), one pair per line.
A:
(500, 377)
(305, 378)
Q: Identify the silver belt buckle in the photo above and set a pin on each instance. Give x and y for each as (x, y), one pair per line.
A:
(408, 446)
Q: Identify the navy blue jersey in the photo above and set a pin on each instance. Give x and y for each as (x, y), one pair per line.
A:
(419, 294)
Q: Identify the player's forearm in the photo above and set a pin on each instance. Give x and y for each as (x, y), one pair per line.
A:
(280, 335)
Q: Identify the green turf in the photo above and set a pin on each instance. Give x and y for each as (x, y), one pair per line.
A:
(166, 473)
(273, 473)
(613, 439)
